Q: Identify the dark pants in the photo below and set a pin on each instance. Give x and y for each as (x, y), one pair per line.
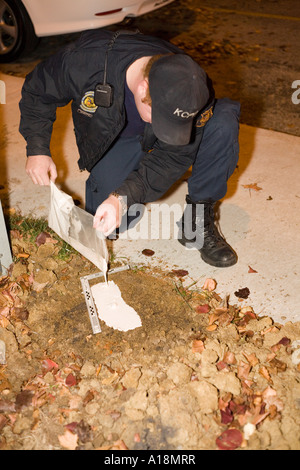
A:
(215, 161)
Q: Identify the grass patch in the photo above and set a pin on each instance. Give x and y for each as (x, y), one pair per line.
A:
(28, 226)
(31, 227)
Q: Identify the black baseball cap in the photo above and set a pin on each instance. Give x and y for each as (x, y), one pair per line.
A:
(178, 91)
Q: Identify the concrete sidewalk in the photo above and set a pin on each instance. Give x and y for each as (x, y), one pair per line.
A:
(261, 224)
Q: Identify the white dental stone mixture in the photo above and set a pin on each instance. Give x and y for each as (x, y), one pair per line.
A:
(112, 309)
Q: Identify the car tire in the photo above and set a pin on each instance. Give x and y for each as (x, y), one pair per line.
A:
(17, 34)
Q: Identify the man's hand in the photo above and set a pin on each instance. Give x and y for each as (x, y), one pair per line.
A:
(108, 215)
(39, 168)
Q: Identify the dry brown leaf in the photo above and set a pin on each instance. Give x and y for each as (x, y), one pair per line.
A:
(277, 365)
(269, 396)
(249, 383)
(111, 379)
(6, 299)
(252, 186)
(48, 365)
(251, 270)
(229, 358)
(209, 284)
(226, 416)
(270, 356)
(230, 439)
(225, 319)
(224, 401)
(220, 310)
(242, 293)
(39, 286)
(258, 418)
(284, 341)
(243, 370)
(118, 445)
(148, 252)
(211, 327)
(212, 318)
(265, 373)
(180, 272)
(4, 311)
(221, 365)
(246, 310)
(20, 313)
(23, 255)
(272, 329)
(68, 440)
(202, 308)
(15, 234)
(198, 346)
(4, 322)
(7, 406)
(3, 422)
(44, 237)
(251, 358)
(71, 380)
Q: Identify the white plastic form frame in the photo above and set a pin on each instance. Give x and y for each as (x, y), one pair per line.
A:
(5, 253)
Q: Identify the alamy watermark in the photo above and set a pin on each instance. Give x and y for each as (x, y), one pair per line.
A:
(296, 94)
(2, 92)
(163, 222)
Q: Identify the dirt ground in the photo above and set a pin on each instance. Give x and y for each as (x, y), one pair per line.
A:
(199, 373)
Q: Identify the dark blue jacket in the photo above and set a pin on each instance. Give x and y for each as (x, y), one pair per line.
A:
(71, 76)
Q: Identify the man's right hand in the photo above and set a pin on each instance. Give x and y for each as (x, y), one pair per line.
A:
(41, 169)
(108, 215)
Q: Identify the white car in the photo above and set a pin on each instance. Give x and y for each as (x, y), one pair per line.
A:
(23, 21)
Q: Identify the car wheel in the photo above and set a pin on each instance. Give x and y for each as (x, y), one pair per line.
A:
(17, 34)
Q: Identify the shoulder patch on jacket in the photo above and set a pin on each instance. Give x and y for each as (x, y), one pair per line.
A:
(204, 117)
(88, 103)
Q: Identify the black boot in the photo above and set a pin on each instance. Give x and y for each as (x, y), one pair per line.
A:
(199, 231)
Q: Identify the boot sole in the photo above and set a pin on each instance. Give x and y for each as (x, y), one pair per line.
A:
(223, 264)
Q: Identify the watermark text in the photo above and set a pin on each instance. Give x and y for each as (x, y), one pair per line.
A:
(161, 222)
(2, 92)
(296, 94)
